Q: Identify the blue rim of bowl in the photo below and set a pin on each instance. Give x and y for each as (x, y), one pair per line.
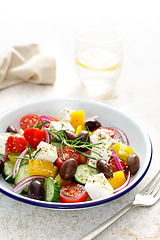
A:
(76, 206)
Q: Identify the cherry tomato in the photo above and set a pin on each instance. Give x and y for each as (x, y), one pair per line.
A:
(73, 192)
(107, 130)
(68, 153)
(15, 143)
(113, 164)
(29, 121)
(34, 136)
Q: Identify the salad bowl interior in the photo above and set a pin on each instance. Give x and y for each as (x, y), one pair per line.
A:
(108, 116)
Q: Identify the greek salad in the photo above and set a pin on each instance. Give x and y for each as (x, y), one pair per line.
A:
(66, 158)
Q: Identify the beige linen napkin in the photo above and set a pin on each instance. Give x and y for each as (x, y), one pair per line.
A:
(26, 63)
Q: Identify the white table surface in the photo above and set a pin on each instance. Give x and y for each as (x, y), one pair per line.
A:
(137, 93)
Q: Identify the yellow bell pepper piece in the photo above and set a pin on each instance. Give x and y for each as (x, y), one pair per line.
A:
(123, 151)
(78, 129)
(77, 119)
(61, 181)
(43, 168)
(118, 179)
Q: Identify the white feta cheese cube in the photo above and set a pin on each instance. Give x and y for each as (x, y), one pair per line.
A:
(48, 152)
(64, 114)
(106, 141)
(100, 136)
(61, 125)
(3, 140)
(98, 187)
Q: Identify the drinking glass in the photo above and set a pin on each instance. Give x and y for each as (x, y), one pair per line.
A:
(98, 55)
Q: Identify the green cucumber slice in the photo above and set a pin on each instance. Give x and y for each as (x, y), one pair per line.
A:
(23, 173)
(52, 189)
(8, 172)
(83, 172)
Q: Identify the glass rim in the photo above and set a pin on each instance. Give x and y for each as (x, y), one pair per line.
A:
(117, 39)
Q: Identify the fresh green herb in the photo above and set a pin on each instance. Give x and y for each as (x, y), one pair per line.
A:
(37, 124)
(60, 136)
(36, 152)
(29, 151)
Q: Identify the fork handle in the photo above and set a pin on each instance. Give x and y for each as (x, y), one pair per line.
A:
(107, 223)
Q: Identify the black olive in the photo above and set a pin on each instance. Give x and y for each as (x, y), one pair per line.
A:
(68, 169)
(70, 135)
(105, 168)
(92, 124)
(36, 190)
(132, 164)
(84, 137)
(11, 129)
(1, 166)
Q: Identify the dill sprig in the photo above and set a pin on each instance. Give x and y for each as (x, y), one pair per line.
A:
(76, 144)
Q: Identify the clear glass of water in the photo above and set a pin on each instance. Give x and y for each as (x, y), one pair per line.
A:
(98, 55)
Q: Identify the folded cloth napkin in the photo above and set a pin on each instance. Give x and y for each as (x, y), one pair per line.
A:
(26, 63)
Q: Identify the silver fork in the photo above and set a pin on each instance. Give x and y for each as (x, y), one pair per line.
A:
(146, 197)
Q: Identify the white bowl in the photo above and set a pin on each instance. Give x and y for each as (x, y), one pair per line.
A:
(108, 116)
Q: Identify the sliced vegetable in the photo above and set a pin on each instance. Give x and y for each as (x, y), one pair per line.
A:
(15, 143)
(41, 167)
(83, 172)
(8, 172)
(120, 168)
(124, 185)
(72, 193)
(123, 151)
(18, 161)
(18, 188)
(29, 121)
(121, 136)
(34, 136)
(23, 173)
(61, 181)
(77, 118)
(118, 179)
(52, 189)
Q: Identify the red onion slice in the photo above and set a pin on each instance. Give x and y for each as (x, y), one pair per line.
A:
(124, 185)
(90, 118)
(117, 162)
(18, 161)
(47, 135)
(121, 136)
(19, 187)
(5, 159)
(46, 118)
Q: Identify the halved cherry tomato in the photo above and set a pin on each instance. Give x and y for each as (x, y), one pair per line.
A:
(73, 192)
(113, 164)
(68, 153)
(34, 136)
(15, 143)
(29, 121)
(107, 130)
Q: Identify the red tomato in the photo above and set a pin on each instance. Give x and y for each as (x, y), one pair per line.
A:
(29, 121)
(73, 192)
(34, 136)
(113, 164)
(107, 130)
(15, 143)
(68, 153)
